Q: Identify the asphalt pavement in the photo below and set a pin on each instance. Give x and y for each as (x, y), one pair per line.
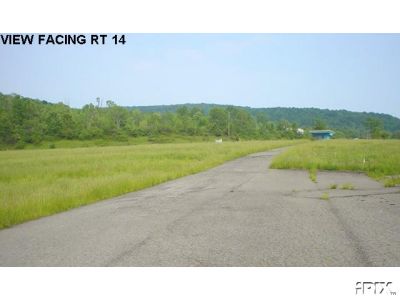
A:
(238, 214)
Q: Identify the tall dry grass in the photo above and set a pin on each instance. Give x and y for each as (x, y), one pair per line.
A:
(36, 183)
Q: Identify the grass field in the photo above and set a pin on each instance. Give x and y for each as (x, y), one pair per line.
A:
(36, 183)
(380, 159)
(125, 141)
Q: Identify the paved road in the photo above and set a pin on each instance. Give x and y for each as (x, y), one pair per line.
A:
(238, 214)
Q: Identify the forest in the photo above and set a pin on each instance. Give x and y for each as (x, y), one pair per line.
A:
(31, 121)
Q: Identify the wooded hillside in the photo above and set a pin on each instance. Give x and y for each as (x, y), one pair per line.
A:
(24, 120)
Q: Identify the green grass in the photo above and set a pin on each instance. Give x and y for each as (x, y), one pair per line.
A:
(124, 141)
(379, 159)
(324, 196)
(313, 175)
(36, 183)
(333, 186)
(391, 181)
(347, 186)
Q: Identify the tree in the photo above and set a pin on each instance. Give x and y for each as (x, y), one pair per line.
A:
(218, 118)
(374, 127)
(117, 114)
(396, 134)
(319, 124)
(241, 123)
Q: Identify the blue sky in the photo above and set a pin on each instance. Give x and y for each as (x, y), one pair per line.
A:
(358, 72)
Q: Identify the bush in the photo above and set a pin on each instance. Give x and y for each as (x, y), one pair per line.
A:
(20, 145)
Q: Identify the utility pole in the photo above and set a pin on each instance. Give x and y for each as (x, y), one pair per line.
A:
(229, 125)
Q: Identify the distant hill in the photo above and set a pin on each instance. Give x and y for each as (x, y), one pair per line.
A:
(304, 117)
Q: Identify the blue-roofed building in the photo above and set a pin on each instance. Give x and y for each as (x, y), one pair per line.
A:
(322, 134)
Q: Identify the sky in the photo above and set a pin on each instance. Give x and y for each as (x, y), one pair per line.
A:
(357, 72)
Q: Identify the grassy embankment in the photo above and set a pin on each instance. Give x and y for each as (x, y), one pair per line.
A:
(379, 159)
(36, 183)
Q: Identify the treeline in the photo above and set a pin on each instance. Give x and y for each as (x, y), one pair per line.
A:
(350, 123)
(24, 120)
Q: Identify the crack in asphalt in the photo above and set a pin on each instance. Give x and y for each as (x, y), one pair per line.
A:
(296, 194)
(351, 237)
(124, 254)
(171, 225)
(364, 195)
